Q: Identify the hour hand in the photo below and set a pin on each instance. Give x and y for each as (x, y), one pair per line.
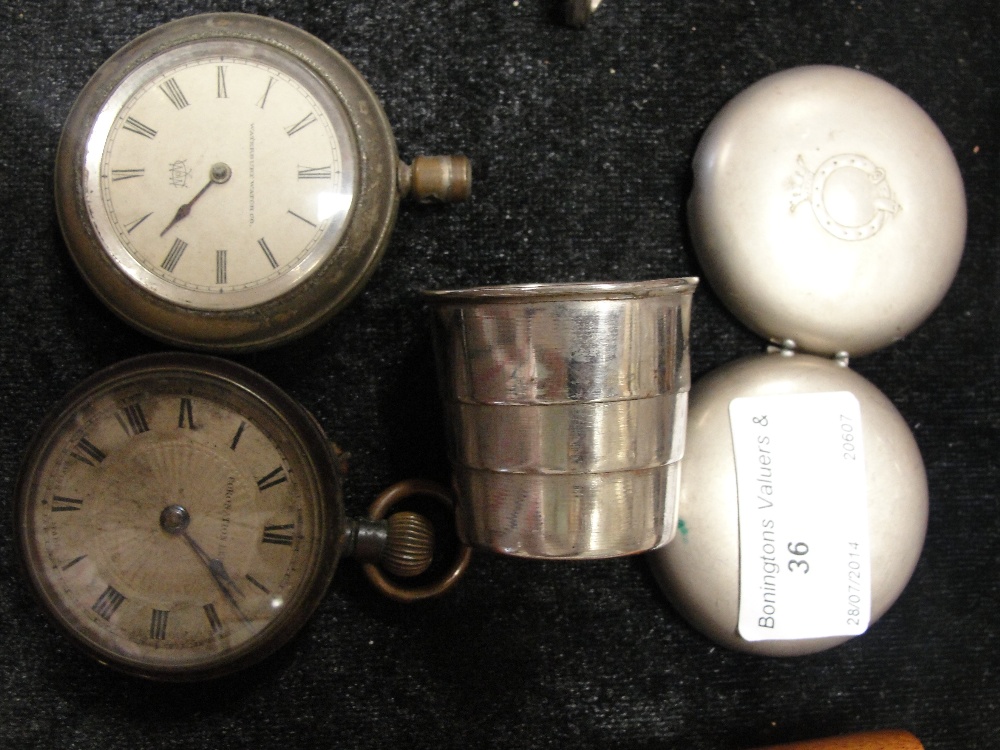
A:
(217, 570)
(215, 567)
(218, 174)
(174, 519)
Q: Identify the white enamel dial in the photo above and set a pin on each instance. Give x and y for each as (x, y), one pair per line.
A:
(219, 174)
(228, 182)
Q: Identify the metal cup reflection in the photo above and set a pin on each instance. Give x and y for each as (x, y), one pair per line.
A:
(566, 407)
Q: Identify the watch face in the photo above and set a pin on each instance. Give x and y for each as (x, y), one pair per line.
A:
(176, 523)
(226, 182)
(219, 173)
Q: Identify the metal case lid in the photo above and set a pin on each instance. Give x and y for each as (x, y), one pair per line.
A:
(827, 210)
(700, 571)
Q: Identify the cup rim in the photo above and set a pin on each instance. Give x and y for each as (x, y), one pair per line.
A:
(563, 291)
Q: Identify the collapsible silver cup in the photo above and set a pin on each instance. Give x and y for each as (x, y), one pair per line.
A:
(566, 407)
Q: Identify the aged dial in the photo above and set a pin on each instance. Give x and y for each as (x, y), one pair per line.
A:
(220, 177)
(229, 182)
(179, 516)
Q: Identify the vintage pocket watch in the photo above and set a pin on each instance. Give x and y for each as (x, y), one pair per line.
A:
(828, 213)
(228, 181)
(180, 517)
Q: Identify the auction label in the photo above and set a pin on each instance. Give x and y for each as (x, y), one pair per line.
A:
(803, 514)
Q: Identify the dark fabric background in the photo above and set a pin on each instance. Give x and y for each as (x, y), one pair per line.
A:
(581, 141)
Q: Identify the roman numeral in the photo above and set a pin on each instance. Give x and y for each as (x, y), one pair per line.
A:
(137, 222)
(220, 82)
(173, 92)
(220, 266)
(186, 416)
(158, 625)
(275, 477)
(263, 100)
(315, 173)
(134, 126)
(72, 562)
(176, 251)
(258, 584)
(273, 535)
(305, 122)
(132, 420)
(237, 436)
(65, 503)
(267, 252)
(213, 618)
(87, 452)
(108, 602)
(302, 218)
(117, 175)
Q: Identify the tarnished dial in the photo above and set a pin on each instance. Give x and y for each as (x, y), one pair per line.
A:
(226, 182)
(179, 516)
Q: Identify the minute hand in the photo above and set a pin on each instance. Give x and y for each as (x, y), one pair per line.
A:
(218, 572)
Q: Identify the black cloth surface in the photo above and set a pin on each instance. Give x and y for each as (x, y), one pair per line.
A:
(581, 142)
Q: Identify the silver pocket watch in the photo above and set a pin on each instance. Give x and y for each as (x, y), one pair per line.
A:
(228, 182)
(828, 213)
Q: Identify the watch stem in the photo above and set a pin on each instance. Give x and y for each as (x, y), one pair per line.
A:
(409, 547)
(402, 545)
(444, 179)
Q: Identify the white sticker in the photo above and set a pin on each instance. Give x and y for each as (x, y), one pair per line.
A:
(803, 508)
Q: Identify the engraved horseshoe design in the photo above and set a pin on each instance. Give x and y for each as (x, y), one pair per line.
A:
(849, 194)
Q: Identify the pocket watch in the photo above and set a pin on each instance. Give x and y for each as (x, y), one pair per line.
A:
(180, 517)
(228, 181)
(828, 214)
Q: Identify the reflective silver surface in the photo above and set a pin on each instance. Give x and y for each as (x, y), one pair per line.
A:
(827, 210)
(580, 437)
(546, 516)
(566, 408)
(700, 570)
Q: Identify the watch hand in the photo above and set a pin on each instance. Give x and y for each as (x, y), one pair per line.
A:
(218, 174)
(214, 565)
(217, 570)
(174, 519)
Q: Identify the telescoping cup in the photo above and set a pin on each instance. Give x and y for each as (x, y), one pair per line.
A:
(566, 407)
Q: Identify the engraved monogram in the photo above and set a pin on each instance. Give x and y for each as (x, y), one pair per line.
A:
(850, 196)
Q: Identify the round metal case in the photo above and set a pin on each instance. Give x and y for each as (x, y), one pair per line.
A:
(829, 215)
(827, 210)
(700, 570)
(180, 517)
(228, 182)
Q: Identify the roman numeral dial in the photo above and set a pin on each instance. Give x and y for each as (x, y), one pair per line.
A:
(174, 513)
(230, 183)
(223, 177)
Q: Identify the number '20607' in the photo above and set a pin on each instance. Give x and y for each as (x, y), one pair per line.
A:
(848, 444)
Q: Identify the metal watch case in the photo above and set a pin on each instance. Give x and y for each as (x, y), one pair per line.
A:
(310, 302)
(828, 214)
